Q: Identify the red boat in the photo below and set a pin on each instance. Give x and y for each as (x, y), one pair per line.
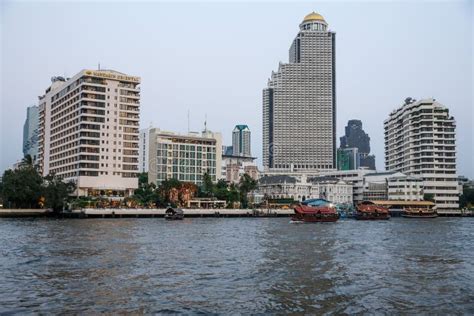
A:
(313, 214)
(369, 211)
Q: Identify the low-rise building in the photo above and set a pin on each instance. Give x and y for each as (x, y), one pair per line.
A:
(392, 186)
(302, 188)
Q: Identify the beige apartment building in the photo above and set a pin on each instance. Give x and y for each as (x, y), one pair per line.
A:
(88, 132)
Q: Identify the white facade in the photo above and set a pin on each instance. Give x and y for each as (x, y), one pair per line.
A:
(288, 187)
(144, 154)
(88, 131)
(405, 188)
(182, 157)
(355, 177)
(299, 103)
(392, 186)
(420, 141)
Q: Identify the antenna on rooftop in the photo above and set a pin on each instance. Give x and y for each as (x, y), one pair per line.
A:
(205, 122)
(188, 120)
(98, 66)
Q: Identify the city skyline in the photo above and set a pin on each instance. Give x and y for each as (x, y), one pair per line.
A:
(411, 62)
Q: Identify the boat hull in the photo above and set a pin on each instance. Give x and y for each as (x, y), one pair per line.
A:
(315, 219)
(420, 216)
(311, 214)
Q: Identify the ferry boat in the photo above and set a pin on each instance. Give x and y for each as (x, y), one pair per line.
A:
(314, 214)
(367, 210)
(419, 213)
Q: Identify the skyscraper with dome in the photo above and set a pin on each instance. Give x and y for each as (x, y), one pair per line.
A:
(299, 103)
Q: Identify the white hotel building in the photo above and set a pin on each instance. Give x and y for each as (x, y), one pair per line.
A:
(167, 155)
(88, 132)
(420, 140)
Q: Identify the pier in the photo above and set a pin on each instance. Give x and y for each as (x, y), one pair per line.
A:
(188, 212)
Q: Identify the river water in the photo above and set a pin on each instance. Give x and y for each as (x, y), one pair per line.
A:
(236, 265)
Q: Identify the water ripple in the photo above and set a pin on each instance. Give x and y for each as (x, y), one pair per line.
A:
(245, 266)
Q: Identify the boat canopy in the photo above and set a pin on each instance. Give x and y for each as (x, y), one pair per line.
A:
(316, 202)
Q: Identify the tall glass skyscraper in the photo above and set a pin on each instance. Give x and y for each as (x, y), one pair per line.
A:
(299, 103)
(241, 141)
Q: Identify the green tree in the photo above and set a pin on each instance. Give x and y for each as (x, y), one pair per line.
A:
(467, 198)
(21, 188)
(221, 191)
(56, 192)
(233, 195)
(207, 188)
(146, 193)
(246, 185)
(428, 197)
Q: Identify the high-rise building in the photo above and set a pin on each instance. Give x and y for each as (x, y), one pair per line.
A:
(182, 157)
(144, 154)
(241, 141)
(299, 103)
(355, 137)
(420, 140)
(88, 131)
(30, 132)
(348, 159)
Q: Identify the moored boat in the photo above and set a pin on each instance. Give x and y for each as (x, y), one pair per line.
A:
(419, 213)
(314, 214)
(174, 214)
(367, 210)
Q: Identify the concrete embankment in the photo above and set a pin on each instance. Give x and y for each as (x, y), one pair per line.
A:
(108, 212)
(5, 212)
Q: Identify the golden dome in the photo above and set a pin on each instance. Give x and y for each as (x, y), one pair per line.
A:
(313, 16)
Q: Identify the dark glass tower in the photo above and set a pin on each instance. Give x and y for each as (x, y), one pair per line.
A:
(355, 137)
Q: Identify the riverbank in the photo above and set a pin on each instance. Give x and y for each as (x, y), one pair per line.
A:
(137, 212)
(188, 212)
(25, 212)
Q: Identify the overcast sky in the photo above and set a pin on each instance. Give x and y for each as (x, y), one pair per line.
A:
(215, 59)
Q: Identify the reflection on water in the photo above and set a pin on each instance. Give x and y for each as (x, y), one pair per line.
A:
(236, 265)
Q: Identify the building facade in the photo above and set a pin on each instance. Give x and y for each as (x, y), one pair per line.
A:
(234, 167)
(394, 186)
(299, 103)
(356, 138)
(348, 159)
(30, 133)
(241, 141)
(144, 155)
(302, 188)
(420, 140)
(88, 132)
(183, 157)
